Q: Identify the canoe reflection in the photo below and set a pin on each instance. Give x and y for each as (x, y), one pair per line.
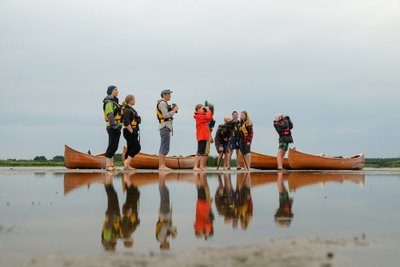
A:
(298, 180)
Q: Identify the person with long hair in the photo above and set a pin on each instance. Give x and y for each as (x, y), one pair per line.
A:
(112, 115)
(246, 137)
(131, 120)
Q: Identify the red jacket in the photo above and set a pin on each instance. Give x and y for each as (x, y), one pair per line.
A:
(202, 130)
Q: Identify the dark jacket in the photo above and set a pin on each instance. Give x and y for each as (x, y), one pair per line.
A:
(129, 115)
(283, 128)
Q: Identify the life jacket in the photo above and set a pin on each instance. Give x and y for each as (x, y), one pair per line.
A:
(117, 111)
(136, 120)
(243, 129)
(160, 116)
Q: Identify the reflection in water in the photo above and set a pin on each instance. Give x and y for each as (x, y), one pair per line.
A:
(112, 223)
(235, 206)
(115, 227)
(244, 201)
(283, 215)
(130, 217)
(203, 226)
(164, 226)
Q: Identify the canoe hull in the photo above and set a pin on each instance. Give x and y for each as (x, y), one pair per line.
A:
(263, 162)
(74, 159)
(147, 161)
(302, 161)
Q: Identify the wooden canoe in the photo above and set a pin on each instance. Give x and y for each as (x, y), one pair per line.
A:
(147, 161)
(74, 159)
(302, 161)
(79, 179)
(298, 180)
(263, 162)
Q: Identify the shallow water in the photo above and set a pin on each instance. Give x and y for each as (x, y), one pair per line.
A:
(92, 212)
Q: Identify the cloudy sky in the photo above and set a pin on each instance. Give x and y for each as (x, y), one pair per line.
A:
(333, 66)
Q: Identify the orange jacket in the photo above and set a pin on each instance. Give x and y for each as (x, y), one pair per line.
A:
(202, 120)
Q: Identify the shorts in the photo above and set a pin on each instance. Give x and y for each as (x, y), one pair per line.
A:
(201, 147)
(244, 148)
(284, 146)
(233, 143)
(165, 134)
(225, 147)
(207, 152)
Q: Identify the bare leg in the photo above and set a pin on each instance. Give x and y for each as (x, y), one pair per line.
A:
(202, 166)
(109, 164)
(248, 160)
(279, 158)
(161, 165)
(219, 160)
(127, 164)
(226, 160)
(197, 159)
(237, 157)
(205, 159)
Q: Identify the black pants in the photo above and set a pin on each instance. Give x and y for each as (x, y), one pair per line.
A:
(113, 140)
(133, 144)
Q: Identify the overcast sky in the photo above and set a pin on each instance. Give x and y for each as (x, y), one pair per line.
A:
(333, 66)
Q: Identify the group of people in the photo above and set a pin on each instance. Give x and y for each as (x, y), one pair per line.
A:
(235, 134)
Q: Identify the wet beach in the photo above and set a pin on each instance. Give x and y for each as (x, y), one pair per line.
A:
(60, 217)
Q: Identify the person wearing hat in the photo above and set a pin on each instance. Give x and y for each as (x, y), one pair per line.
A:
(165, 114)
(112, 115)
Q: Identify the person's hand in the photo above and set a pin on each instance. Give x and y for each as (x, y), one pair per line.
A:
(220, 149)
(248, 143)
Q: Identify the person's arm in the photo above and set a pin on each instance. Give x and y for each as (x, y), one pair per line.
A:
(280, 128)
(163, 106)
(290, 124)
(250, 133)
(109, 109)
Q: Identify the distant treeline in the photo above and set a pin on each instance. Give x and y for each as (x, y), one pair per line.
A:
(382, 162)
(39, 161)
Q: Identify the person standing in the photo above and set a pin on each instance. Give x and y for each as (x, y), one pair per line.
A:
(222, 143)
(203, 116)
(283, 126)
(246, 137)
(165, 114)
(233, 142)
(112, 115)
(131, 120)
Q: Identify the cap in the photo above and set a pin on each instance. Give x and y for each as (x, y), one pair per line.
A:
(166, 91)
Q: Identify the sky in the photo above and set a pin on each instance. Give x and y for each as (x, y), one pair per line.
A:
(332, 66)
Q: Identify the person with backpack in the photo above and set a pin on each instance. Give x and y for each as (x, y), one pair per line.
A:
(222, 142)
(131, 121)
(112, 115)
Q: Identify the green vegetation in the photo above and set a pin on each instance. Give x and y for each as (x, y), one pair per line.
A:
(382, 163)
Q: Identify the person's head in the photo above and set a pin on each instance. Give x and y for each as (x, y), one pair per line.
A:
(129, 100)
(235, 115)
(227, 119)
(166, 94)
(112, 90)
(199, 108)
(244, 116)
(278, 117)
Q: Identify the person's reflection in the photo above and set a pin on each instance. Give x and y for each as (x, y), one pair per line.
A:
(244, 199)
(164, 227)
(283, 215)
(111, 230)
(130, 219)
(225, 198)
(203, 226)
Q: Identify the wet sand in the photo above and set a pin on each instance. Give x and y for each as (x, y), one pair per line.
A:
(283, 252)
